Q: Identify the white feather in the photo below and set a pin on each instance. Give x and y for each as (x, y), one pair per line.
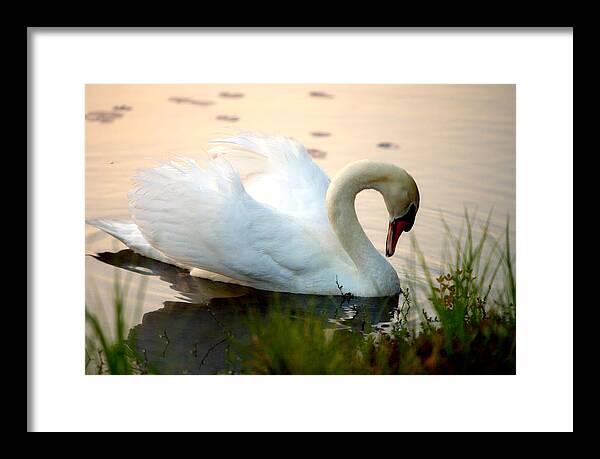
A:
(203, 217)
(279, 172)
(129, 234)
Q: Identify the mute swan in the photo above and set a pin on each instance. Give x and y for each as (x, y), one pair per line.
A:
(275, 222)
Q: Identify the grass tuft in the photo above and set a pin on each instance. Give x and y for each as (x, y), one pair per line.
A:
(114, 354)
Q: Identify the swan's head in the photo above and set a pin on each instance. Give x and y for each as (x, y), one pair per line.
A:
(401, 197)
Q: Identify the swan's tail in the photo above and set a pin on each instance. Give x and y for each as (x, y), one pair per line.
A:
(129, 234)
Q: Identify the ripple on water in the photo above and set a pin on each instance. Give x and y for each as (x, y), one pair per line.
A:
(322, 94)
(189, 100)
(227, 118)
(102, 116)
(388, 145)
(231, 95)
(316, 153)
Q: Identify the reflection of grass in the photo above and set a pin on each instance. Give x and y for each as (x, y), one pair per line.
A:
(470, 331)
(106, 354)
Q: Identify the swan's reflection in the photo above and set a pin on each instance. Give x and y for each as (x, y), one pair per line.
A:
(192, 336)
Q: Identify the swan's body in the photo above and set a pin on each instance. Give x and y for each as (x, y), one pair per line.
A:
(276, 223)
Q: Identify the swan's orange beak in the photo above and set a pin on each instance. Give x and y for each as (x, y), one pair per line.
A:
(395, 229)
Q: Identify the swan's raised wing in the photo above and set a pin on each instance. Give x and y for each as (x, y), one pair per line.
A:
(279, 172)
(203, 217)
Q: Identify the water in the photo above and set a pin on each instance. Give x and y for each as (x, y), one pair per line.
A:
(457, 141)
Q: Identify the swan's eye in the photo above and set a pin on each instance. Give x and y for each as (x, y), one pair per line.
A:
(409, 217)
(411, 212)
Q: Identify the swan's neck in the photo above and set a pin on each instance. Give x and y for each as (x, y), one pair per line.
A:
(341, 196)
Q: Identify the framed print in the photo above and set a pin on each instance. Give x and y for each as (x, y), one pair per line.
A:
(272, 222)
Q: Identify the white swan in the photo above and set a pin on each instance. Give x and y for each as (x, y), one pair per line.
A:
(273, 223)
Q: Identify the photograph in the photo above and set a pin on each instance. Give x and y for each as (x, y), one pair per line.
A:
(300, 229)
